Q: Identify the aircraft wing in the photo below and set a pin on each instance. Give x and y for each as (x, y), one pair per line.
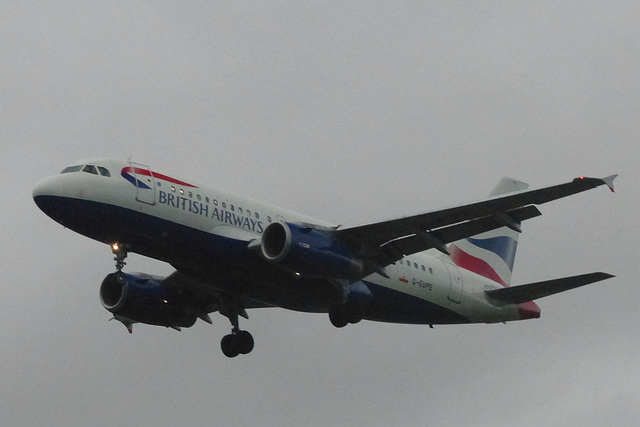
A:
(205, 296)
(389, 241)
(532, 291)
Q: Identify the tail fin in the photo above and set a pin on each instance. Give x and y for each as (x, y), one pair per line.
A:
(491, 254)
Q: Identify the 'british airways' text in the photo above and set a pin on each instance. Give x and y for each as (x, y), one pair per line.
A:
(198, 208)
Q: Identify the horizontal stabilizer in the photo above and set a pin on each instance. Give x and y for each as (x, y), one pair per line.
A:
(532, 291)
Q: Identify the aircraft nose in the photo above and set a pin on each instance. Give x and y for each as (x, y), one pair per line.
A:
(40, 190)
(46, 195)
(529, 310)
(45, 188)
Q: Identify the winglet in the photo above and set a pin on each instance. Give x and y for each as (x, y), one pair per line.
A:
(609, 181)
(595, 182)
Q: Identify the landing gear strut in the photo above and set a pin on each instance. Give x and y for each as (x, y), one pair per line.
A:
(120, 252)
(237, 342)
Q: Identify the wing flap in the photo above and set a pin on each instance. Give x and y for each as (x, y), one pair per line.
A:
(422, 240)
(385, 231)
(203, 294)
(532, 291)
(406, 235)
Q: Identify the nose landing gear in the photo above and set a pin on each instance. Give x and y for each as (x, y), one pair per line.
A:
(120, 252)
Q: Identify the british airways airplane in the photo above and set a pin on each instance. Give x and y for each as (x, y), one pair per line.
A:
(232, 253)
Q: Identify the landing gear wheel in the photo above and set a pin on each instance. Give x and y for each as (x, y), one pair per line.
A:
(337, 317)
(237, 343)
(354, 313)
(244, 342)
(342, 315)
(229, 346)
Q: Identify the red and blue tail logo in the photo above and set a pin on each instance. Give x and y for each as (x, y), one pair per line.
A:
(490, 255)
(493, 253)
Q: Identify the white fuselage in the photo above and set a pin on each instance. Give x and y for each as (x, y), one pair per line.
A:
(167, 203)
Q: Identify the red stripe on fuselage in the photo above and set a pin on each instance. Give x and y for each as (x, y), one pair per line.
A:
(147, 172)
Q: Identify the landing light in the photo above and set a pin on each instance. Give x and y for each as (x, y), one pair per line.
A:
(115, 247)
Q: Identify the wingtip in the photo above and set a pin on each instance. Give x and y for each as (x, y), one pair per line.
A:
(600, 276)
(609, 181)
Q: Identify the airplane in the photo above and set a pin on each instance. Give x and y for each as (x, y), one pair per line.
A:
(232, 253)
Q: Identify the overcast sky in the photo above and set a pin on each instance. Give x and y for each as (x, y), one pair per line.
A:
(351, 113)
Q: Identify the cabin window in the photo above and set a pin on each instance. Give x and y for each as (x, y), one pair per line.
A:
(182, 191)
(224, 205)
(424, 269)
(173, 188)
(70, 169)
(198, 197)
(190, 195)
(269, 219)
(240, 209)
(215, 202)
(90, 169)
(206, 199)
(104, 171)
(257, 215)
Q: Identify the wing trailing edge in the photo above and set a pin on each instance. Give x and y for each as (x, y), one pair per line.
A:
(391, 240)
(532, 291)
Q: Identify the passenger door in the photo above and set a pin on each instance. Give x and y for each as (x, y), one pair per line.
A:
(145, 184)
(456, 285)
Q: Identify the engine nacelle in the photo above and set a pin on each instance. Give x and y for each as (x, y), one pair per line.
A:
(308, 251)
(144, 300)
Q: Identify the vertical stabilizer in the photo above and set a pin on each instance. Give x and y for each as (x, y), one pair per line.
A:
(491, 254)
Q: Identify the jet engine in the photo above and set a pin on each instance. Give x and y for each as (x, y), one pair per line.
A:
(308, 251)
(145, 299)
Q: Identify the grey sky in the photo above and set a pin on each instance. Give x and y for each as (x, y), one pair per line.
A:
(351, 113)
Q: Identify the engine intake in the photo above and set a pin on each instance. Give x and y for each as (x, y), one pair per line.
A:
(308, 251)
(145, 300)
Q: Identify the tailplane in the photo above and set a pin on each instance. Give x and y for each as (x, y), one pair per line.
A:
(524, 293)
(491, 254)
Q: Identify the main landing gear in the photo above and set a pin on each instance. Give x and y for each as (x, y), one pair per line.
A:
(237, 342)
(341, 315)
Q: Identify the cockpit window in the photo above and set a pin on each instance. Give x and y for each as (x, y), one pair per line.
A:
(70, 169)
(90, 169)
